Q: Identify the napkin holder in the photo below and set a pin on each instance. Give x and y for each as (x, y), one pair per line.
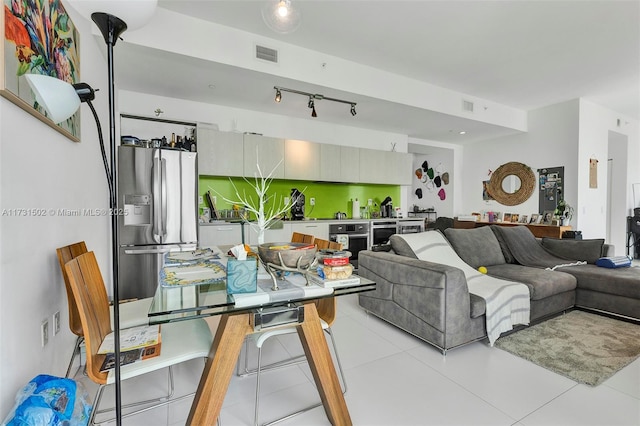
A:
(242, 275)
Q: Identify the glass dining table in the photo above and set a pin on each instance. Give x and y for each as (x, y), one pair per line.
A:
(239, 317)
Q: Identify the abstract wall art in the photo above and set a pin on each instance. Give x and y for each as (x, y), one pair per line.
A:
(38, 37)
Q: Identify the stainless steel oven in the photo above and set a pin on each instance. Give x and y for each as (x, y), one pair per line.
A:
(382, 230)
(358, 234)
(410, 226)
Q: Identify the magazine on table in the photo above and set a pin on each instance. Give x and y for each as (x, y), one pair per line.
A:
(132, 338)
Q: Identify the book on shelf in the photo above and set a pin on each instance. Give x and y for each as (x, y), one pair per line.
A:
(323, 282)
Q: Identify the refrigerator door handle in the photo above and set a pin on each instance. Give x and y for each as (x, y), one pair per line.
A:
(159, 249)
(146, 251)
(157, 199)
(163, 221)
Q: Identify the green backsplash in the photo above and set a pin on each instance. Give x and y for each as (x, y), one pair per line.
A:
(330, 197)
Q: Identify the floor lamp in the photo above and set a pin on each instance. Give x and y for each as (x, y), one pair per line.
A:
(111, 27)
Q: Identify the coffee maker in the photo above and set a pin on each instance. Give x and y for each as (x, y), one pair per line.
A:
(297, 208)
(386, 208)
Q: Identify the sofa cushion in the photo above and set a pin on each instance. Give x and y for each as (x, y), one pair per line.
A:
(542, 283)
(476, 246)
(621, 282)
(588, 250)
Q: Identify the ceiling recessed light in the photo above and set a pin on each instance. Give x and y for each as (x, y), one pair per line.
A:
(462, 132)
(212, 86)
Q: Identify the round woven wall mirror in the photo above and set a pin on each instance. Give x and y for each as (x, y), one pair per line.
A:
(508, 172)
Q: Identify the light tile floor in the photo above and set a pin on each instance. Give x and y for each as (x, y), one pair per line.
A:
(396, 379)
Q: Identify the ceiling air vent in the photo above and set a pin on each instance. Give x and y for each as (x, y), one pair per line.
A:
(467, 106)
(267, 54)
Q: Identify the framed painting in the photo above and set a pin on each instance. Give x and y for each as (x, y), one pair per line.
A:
(38, 37)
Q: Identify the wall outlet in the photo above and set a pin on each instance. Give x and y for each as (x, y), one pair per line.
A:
(312, 201)
(215, 200)
(44, 333)
(370, 202)
(56, 323)
(200, 199)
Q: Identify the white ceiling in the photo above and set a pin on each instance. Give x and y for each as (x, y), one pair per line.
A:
(523, 54)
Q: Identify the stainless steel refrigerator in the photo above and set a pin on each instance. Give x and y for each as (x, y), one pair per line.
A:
(158, 198)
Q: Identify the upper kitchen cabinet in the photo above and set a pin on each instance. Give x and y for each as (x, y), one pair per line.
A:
(219, 153)
(339, 163)
(270, 153)
(301, 160)
(385, 167)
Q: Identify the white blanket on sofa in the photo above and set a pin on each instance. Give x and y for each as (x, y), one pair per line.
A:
(507, 302)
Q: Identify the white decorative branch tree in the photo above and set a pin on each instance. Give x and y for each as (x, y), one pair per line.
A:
(265, 207)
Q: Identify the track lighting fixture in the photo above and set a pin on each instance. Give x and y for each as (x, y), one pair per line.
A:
(312, 98)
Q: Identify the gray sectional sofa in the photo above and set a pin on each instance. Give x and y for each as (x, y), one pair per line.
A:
(432, 301)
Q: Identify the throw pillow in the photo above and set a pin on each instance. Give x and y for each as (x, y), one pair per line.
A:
(476, 246)
(508, 256)
(401, 247)
(588, 250)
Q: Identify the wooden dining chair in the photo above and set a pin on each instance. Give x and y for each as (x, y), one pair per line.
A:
(298, 237)
(131, 313)
(181, 341)
(326, 244)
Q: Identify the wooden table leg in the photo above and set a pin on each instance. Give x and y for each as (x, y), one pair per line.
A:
(220, 365)
(319, 358)
(219, 369)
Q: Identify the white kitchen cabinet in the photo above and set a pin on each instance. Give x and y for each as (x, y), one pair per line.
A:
(339, 163)
(374, 167)
(349, 164)
(220, 234)
(317, 229)
(403, 165)
(270, 153)
(280, 233)
(301, 160)
(385, 167)
(219, 153)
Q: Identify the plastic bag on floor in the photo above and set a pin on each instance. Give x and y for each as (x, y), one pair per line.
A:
(50, 401)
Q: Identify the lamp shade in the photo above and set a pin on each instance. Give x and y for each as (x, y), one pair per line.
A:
(135, 13)
(56, 96)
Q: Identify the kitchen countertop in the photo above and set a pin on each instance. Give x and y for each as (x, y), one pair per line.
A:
(327, 220)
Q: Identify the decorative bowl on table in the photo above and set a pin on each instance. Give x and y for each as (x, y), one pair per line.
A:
(287, 255)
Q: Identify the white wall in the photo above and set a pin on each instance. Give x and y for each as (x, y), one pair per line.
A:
(435, 155)
(567, 134)
(241, 120)
(552, 141)
(595, 124)
(40, 168)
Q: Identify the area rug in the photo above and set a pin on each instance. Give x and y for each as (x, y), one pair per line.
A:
(582, 346)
